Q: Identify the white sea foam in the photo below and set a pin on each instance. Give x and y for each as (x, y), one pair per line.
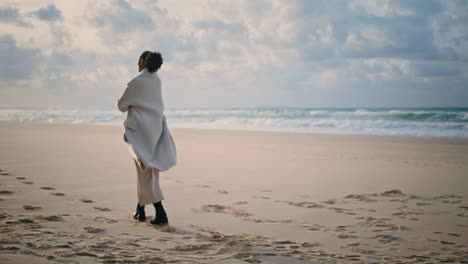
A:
(452, 123)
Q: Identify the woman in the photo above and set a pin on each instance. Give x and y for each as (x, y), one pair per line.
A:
(147, 135)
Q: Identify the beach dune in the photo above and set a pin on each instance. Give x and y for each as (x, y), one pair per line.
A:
(68, 191)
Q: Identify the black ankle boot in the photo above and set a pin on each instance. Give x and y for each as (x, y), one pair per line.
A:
(161, 216)
(140, 213)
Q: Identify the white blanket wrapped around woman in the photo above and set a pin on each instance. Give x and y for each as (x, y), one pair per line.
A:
(146, 130)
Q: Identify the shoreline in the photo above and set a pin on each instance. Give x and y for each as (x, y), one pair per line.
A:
(255, 131)
(392, 121)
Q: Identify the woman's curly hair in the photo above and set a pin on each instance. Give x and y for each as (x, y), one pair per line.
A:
(152, 60)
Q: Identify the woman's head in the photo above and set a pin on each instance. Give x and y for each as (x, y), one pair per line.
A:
(150, 60)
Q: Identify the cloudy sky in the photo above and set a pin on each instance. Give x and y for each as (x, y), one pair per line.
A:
(239, 53)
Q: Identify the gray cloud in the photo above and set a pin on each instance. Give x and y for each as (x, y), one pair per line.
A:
(11, 15)
(220, 25)
(411, 45)
(436, 69)
(49, 13)
(392, 35)
(16, 63)
(120, 16)
(451, 30)
(423, 8)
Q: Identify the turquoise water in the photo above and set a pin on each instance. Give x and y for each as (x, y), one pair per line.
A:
(428, 122)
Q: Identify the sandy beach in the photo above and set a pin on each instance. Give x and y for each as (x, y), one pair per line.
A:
(68, 191)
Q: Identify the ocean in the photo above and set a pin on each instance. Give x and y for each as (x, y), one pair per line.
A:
(422, 122)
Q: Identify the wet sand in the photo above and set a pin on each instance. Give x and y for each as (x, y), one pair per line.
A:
(67, 193)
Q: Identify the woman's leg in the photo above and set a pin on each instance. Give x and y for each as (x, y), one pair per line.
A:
(161, 216)
(156, 188)
(144, 186)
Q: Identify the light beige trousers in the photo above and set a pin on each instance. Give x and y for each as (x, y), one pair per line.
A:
(148, 187)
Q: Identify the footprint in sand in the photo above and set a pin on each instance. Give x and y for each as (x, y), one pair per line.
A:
(261, 197)
(58, 194)
(27, 182)
(224, 209)
(314, 227)
(204, 186)
(422, 203)
(102, 209)
(93, 230)
(385, 238)
(308, 244)
(31, 208)
(346, 236)
(87, 201)
(51, 218)
(47, 188)
(5, 192)
(283, 242)
(447, 242)
(21, 178)
(367, 210)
